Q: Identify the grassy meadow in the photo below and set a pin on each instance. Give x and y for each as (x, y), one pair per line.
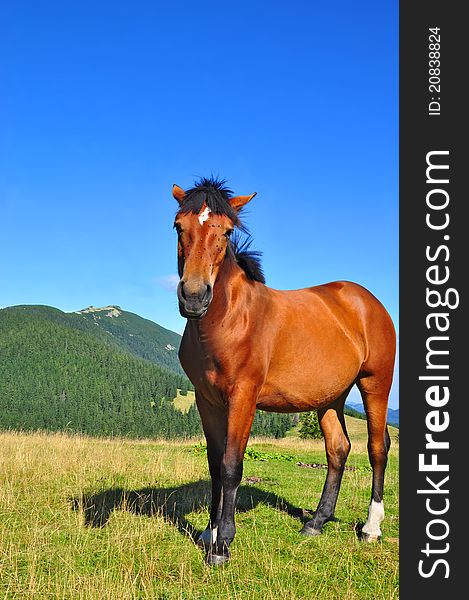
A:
(183, 403)
(84, 518)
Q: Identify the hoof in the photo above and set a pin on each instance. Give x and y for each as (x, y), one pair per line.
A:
(311, 531)
(369, 537)
(206, 538)
(215, 560)
(200, 543)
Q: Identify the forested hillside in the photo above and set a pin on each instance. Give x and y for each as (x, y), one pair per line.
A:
(57, 374)
(140, 336)
(60, 371)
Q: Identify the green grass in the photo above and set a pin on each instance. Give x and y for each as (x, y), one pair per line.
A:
(97, 519)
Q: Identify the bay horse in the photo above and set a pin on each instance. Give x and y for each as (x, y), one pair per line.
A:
(247, 346)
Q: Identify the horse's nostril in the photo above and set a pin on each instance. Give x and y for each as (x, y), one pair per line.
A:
(181, 290)
(208, 293)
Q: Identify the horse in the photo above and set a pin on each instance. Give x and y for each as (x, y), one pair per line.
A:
(247, 346)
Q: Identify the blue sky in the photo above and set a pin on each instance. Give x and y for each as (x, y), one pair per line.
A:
(106, 104)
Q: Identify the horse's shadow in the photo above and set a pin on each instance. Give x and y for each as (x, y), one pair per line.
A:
(175, 503)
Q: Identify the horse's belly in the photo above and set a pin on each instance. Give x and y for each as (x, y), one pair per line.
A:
(308, 385)
(282, 400)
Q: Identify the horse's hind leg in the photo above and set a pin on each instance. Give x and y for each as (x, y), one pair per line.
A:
(375, 392)
(332, 422)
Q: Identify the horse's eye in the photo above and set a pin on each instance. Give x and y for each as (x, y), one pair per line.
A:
(228, 233)
(178, 228)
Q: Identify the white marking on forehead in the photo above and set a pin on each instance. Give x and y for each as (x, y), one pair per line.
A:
(204, 215)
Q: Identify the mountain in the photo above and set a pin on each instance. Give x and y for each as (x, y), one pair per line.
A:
(137, 335)
(356, 406)
(82, 372)
(393, 414)
(125, 330)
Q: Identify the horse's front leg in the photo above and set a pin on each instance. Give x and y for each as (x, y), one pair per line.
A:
(241, 411)
(214, 421)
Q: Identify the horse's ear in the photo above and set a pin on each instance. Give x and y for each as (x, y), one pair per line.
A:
(239, 201)
(178, 193)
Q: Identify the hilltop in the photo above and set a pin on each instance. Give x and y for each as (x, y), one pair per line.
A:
(110, 324)
(139, 336)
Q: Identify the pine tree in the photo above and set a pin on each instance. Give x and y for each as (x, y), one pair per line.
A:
(309, 426)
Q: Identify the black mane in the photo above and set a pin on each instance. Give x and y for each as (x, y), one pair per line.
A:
(248, 260)
(216, 196)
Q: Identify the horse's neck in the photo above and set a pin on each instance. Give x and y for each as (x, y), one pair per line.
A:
(232, 294)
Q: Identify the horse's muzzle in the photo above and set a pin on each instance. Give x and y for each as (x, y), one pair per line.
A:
(194, 304)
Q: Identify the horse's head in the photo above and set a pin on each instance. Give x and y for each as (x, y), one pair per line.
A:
(204, 222)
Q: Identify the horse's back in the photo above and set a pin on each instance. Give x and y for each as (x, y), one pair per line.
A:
(366, 320)
(357, 309)
(326, 336)
(338, 305)
(378, 334)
